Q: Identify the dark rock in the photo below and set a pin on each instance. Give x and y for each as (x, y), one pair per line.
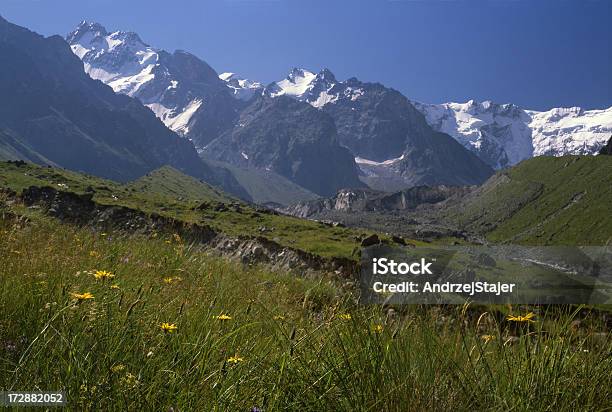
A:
(370, 240)
(398, 240)
(203, 206)
(607, 149)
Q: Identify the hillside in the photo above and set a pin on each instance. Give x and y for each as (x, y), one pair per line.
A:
(167, 193)
(167, 181)
(544, 200)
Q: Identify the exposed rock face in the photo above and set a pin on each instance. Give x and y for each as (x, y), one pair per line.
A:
(354, 201)
(607, 149)
(292, 139)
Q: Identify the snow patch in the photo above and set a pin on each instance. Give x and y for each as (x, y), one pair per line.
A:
(179, 122)
(389, 162)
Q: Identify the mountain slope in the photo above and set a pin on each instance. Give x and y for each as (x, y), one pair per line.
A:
(265, 187)
(182, 90)
(170, 182)
(389, 138)
(292, 139)
(59, 115)
(544, 200)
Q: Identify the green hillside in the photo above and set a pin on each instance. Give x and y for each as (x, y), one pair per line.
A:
(169, 182)
(169, 193)
(544, 200)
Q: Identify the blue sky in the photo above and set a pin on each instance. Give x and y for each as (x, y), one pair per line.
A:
(535, 53)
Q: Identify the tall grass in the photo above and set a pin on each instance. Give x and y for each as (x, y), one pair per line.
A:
(291, 343)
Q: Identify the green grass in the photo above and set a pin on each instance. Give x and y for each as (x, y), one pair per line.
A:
(169, 182)
(544, 201)
(298, 349)
(171, 193)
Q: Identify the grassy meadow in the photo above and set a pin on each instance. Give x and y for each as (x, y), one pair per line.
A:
(153, 323)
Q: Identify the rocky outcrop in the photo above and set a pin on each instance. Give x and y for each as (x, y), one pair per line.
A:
(363, 200)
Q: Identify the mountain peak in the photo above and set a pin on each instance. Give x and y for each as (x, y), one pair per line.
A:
(326, 75)
(240, 87)
(298, 73)
(85, 27)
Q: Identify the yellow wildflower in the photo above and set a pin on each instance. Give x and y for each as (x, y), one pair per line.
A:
(82, 296)
(279, 317)
(169, 280)
(130, 380)
(115, 286)
(378, 328)
(527, 318)
(103, 274)
(235, 359)
(487, 338)
(117, 368)
(168, 327)
(93, 253)
(345, 316)
(223, 316)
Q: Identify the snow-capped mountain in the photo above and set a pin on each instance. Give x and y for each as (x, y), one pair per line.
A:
(243, 89)
(388, 136)
(570, 131)
(377, 124)
(504, 134)
(182, 90)
(498, 133)
(304, 85)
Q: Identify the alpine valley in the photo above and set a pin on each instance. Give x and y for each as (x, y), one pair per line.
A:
(306, 136)
(177, 238)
